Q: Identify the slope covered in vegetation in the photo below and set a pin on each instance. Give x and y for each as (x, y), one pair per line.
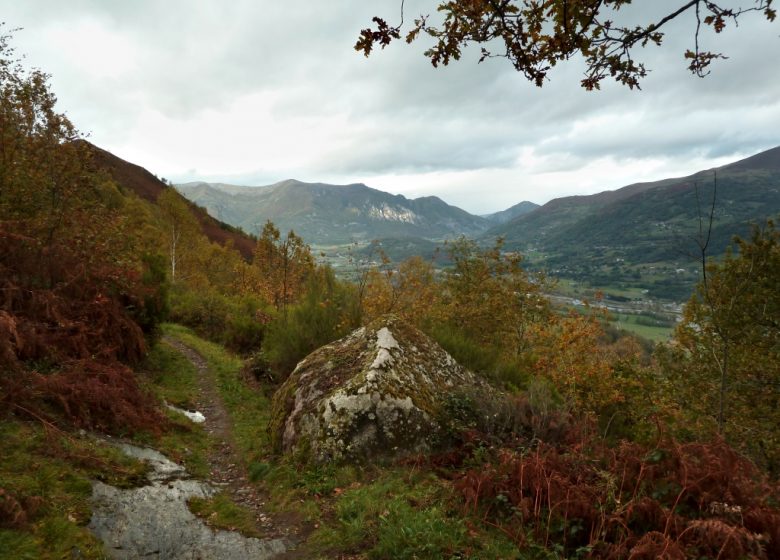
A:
(626, 236)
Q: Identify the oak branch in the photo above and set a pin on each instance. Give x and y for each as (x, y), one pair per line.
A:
(535, 35)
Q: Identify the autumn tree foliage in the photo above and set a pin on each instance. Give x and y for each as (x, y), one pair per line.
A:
(284, 263)
(409, 290)
(488, 294)
(72, 288)
(485, 294)
(326, 310)
(725, 362)
(536, 35)
(182, 233)
(494, 317)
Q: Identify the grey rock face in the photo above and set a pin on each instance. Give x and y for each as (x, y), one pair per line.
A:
(379, 392)
(154, 521)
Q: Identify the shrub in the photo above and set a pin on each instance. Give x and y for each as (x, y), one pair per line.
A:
(484, 359)
(204, 311)
(324, 314)
(537, 414)
(467, 352)
(97, 396)
(155, 296)
(243, 333)
(237, 322)
(689, 500)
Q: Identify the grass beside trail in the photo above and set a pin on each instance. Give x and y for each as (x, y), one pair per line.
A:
(405, 513)
(173, 379)
(222, 512)
(248, 408)
(48, 473)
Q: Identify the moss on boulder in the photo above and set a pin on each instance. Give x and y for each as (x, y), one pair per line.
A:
(378, 393)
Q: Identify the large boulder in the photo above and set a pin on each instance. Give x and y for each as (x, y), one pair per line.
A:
(384, 391)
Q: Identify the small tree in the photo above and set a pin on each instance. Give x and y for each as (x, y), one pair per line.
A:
(725, 364)
(284, 263)
(488, 295)
(182, 229)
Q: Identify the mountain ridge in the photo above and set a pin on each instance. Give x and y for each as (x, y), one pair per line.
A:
(329, 214)
(503, 216)
(611, 235)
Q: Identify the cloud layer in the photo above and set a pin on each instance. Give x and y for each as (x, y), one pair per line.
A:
(254, 91)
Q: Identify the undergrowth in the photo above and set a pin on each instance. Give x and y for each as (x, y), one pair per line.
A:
(406, 514)
(234, 321)
(220, 512)
(671, 500)
(45, 487)
(67, 333)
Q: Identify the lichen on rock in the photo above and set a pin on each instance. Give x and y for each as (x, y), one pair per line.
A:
(377, 393)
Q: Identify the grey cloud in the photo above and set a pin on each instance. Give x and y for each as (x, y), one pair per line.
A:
(657, 131)
(433, 150)
(403, 116)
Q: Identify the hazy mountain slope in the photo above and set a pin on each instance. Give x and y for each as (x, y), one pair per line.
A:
(137, 179)
(329, 214)
(648, 221)
(512, 212)
(560, 213)
(661, 224)
(614, 236)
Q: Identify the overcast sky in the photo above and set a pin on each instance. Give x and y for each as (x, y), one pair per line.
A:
(256, 91)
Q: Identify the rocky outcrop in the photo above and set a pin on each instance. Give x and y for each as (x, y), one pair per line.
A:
(153, 521)
(381, 392)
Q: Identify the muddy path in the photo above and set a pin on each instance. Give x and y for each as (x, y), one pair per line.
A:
(227, 468)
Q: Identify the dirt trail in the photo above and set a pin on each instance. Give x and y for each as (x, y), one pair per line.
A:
(227, 466)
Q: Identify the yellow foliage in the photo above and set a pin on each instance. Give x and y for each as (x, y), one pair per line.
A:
(284, 265)
(569, 353)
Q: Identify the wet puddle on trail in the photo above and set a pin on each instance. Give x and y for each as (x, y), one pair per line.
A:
(154, 521)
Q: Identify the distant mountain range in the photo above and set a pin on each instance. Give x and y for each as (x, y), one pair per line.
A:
(511, 213)
(642, 235)
(333, 214)
(608, 236)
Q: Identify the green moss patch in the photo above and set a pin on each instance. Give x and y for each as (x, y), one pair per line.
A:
(220, 512)
(45, 482)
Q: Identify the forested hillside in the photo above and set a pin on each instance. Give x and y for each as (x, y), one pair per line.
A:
(615, 237)
(135, 179)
